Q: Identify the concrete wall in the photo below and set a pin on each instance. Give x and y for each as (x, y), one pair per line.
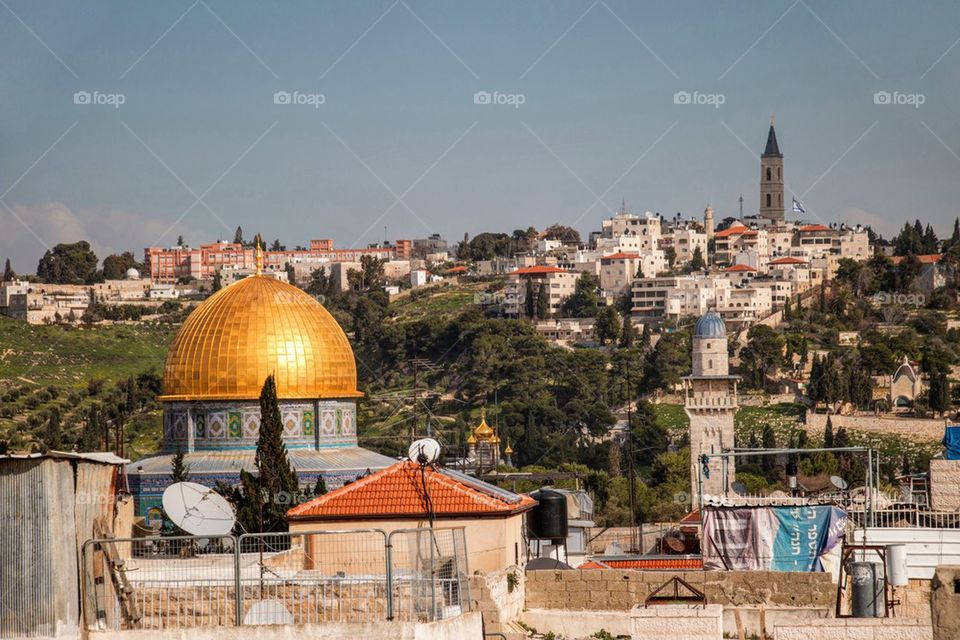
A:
(492, 543)
(620, 590)
(691, 622)
(926, 547)
(945, 485)
(464, 627)
(858, 629)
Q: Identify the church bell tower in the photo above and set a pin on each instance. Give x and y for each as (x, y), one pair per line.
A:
(771, 179)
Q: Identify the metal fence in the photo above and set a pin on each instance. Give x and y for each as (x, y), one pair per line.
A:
(348, 576)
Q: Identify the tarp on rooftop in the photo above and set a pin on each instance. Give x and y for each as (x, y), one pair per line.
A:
(951, 440)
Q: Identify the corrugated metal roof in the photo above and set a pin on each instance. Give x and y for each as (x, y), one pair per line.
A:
(104, 457)
(333, 459)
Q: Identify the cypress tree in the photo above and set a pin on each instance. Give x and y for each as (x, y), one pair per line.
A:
(543, 302)
(8, 273)
(178, 470)
(530, 302)
(628, 335)
(217, 281)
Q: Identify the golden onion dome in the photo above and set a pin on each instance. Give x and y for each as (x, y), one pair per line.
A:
(253, 328)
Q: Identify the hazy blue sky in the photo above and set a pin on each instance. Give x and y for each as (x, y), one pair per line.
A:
(198, 145)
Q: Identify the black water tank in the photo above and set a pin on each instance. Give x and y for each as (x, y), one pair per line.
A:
(548, 520)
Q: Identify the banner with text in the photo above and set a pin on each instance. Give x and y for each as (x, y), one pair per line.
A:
(770, 538)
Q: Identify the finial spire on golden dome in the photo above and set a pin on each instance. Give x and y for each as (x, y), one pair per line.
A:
(258, 254)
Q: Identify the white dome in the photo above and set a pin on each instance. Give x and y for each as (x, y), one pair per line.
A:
(133, 274)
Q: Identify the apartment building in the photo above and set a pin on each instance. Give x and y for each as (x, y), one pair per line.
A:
(560, 283)
(675, 297)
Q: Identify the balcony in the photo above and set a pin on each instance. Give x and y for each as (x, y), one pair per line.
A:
(711, 402)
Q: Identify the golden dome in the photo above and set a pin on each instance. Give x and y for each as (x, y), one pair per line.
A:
(256, 327)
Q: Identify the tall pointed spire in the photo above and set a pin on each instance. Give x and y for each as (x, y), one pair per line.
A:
(772, 149)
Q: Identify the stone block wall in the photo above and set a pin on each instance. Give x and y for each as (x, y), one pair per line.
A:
(701, 622)
(618, 590)
(857, 629)
(499, 596)
(945, 485)
(923, 429)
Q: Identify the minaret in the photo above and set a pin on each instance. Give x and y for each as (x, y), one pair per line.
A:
(708, 222)
(771, 179)
(710, 402)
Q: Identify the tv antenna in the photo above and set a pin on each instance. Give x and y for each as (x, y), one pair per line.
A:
(198, 510)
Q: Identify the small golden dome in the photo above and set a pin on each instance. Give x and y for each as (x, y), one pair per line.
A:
(253, 328)
(483, 430)
(508, 451)
(471, 439)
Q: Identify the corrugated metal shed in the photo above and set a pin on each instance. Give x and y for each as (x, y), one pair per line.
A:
(47, 506)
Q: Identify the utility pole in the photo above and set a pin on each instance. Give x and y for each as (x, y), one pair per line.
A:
(631, 472)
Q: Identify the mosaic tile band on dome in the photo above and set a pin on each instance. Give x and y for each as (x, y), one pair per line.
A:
(260, 326)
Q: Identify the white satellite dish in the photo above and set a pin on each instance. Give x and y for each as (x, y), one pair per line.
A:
(838, 482)
(424, 451)
(198, 510)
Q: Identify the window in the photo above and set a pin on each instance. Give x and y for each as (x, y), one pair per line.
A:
(769, 174)
(768, 200)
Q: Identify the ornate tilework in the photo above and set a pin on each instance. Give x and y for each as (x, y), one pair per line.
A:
(200, 425)
(235, 424)
(307, 423)
(217, 425)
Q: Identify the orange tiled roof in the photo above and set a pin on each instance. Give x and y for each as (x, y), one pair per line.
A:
(457, 269)
(814, 227)
(537, 270)
(925, 258)
(397, 492)
(621, 256)
(644, 563)
(730, 231)
(788, 260)
(739, 268)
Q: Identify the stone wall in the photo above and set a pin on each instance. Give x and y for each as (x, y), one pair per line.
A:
(699, 622)
(618, 590)
(945, 603)
(912, 428)
(499, 596)
(945, 485)
(857, 629)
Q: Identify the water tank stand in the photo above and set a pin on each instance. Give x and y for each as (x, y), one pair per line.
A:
(846, 553)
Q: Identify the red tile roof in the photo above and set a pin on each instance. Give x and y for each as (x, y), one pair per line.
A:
(537, 270)
(457, 269)
(730, 231)
(644, 563)
(397, 492)
(621, 256)
(925, 258)
(788, 260)
(814, 227)
(739, 268)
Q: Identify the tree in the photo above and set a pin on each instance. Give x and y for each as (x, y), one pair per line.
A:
(115, 266)
(543, 302)
(291, 274)
(628, 334)
(217, 281)
(565, 234)
(8, 274)
(828, 439)
(671, 255)
(320, 488)
(762, 355)
(669, 361)
(607, 326)
(939, 392)
(179, 471)
(179, 241)
(530, 305)
(584, 302)
(697, 263)
(52, 436)
(68, 264)
(238, 236)
(768, 462)
(276, 246)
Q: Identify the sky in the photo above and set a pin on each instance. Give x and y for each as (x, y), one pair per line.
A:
(128, 124)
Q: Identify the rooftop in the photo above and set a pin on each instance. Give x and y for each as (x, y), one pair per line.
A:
(537, 270)
(398, 492)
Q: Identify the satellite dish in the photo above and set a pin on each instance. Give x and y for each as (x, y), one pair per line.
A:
(838, 482)
(198, 510)
(424, 451)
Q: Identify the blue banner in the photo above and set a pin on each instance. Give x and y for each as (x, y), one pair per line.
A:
(803, 535)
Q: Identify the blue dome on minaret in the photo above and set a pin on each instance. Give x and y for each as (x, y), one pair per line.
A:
(710, 325)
